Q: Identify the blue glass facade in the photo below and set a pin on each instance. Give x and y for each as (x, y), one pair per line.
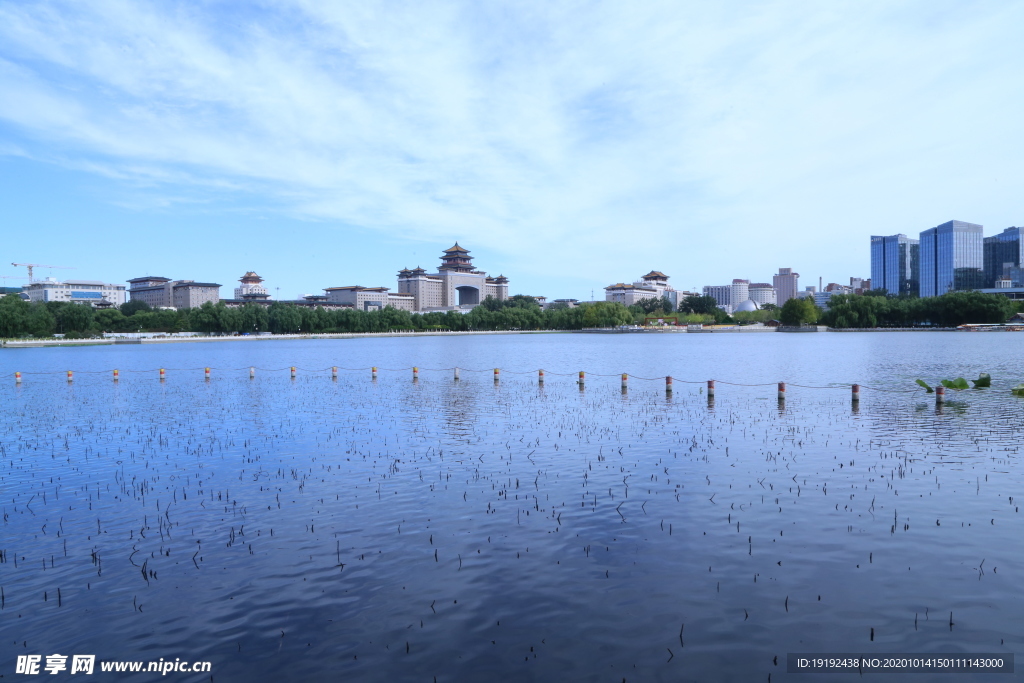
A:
(895, 264)
(1002, 257)
(951, 258)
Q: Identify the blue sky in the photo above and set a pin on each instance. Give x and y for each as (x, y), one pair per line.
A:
(568, 145)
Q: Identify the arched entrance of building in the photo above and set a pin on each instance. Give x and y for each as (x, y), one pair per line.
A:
(468, 296)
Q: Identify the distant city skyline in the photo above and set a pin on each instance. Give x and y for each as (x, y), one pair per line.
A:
(568, 147)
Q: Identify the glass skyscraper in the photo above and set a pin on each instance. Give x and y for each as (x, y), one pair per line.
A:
(894, 264)
(952, 258)
(1002, 256)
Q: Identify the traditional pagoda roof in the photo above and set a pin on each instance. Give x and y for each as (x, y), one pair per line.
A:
(655, 275)
(456, 249)
(403, 272)
(250, 276)
(417, 271)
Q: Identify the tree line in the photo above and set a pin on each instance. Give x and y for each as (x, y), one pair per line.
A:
(19, 318)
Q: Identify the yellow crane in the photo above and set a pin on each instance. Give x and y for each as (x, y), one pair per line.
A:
(30, 266)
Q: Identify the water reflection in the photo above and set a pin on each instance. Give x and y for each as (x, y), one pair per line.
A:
(383, 529)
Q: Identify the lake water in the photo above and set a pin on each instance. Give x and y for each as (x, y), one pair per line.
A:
(316, 529)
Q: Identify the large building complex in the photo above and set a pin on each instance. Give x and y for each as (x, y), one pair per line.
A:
(162, 292)
(895, 264)
(786, 284)
(457, 284)
(952, 258)
(96, 293)
(654, 285)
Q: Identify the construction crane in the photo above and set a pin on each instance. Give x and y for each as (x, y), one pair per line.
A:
(30, 266)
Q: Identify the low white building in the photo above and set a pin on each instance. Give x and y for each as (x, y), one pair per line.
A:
(370, 298)
(654, 285)
(92, 292)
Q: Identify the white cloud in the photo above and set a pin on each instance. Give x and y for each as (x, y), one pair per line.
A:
(704, 140)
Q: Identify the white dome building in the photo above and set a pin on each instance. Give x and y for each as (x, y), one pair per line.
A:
(748, 306)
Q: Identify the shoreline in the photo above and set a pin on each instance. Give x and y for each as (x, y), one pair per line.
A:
(112, 341)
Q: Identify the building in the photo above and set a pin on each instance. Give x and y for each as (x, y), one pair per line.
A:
(951, 258)
(786, 284)
(761, 293)
(895, 264)
(456, 284)
(860, 285)
(1002, 258)
(654, 285)
(739, 292)
(251, 288)
(369, 298)
(722, 294)
(821, 298)
(96, 293)
(162, 292)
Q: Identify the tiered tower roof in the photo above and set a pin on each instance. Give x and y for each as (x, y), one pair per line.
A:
(457, 259)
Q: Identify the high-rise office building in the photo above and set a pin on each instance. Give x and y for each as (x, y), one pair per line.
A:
(1002, 255)
(785, 285)
(895, 264)
(951, 258)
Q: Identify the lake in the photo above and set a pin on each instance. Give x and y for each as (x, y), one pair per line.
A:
(391, 530)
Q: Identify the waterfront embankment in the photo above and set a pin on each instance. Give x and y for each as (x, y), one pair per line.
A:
(109, 341)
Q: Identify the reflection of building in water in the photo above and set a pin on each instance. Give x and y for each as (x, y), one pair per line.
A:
(251, 288)
(456, 284)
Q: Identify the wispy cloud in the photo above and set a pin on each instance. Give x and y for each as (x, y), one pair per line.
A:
(615, 133)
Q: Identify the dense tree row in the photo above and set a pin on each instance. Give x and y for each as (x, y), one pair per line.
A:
(19, 318)
(949, 310)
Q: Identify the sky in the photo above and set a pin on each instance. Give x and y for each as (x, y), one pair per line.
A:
(568, 145)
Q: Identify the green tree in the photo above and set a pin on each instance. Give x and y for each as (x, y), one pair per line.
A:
(41, 322)
(14, 314)
(109, 320)
(74, 318)
(799, 311)
(284, 318)
(252, 318)
(699, 304)
(134, 306)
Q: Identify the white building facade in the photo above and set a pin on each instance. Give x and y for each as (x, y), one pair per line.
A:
(92, 292)
(654, 285)
(761, 293)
